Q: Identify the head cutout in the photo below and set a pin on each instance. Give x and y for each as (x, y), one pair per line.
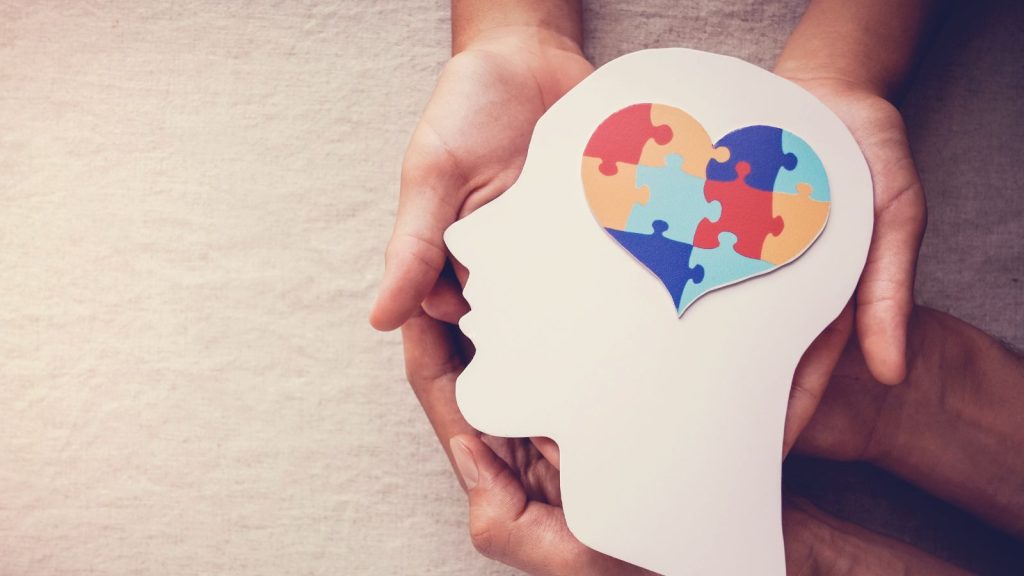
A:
(670, 428)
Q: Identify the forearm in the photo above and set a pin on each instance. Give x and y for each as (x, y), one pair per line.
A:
(872, 44)
(956, 427)
(558, 18)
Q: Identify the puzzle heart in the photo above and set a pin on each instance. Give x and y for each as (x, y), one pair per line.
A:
(702, 216)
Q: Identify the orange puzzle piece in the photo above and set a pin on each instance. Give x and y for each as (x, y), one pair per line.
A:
(612, 198)
(805, 218)
(689, 140)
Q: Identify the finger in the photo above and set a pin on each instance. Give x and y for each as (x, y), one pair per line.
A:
(506, 526)
(433, 360)
(445, 301)
(818, 543)
(885, 295)
(812, 376)
(548, 449)
(428, 204)
(845, 424)
(461, 272)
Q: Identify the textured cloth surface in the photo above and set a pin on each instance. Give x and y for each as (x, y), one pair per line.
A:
(194, 203)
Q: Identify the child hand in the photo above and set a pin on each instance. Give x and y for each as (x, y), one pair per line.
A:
(885, 295)
(468, 148)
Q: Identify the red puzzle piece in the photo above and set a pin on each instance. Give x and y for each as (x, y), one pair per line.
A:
(621, 137)
(746, 212)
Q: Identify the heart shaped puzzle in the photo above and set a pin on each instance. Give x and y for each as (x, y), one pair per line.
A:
(701, 216)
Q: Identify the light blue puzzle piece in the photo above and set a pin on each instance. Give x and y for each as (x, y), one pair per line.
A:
(676, 197)
(722, 266)
(808, 169)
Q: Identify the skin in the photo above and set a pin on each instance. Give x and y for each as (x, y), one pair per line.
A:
(512, 60)
(947, 429)
(856, 57)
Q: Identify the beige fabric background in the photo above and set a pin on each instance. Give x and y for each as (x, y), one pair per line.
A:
(194, 202)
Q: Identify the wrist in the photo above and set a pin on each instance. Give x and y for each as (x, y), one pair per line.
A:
(870, 44)
(548, 59)
(823, 78)
(559, 22)
(517, 36)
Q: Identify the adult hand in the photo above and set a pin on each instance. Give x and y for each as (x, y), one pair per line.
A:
(812, 376)
(845, 423)
(946, 429)
(468, 148)
(515, 513)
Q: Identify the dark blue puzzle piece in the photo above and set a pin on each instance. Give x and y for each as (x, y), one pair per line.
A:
(761, 147)
(668, 259)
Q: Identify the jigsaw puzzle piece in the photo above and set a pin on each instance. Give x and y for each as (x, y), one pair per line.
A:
(676, 197)
(722, 266)
(612, 198)
(808, 170)
(689, 141)
(746, 212)
(621, 137)
(805, 218)
(667, 259)
(761, 148)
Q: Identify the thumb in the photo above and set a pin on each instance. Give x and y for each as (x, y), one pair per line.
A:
(506, 526)
(428, 203)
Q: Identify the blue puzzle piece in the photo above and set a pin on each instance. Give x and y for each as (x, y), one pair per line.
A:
(722, 266)
(809, 169)
(759, 146)
(667, 259)
(676, 197)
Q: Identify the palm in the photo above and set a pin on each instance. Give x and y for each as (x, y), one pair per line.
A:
(844, 424)
(478, 124)
(538, 476)
(526, 513)
(469, 147)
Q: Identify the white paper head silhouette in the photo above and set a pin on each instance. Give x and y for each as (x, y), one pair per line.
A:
(670, 427)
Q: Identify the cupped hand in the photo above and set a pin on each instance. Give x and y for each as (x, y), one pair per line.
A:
(468, 148)
(884, 299)
(885, 294)
(515, 513)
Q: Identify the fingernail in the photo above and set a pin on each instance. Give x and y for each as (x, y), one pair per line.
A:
(465, 463)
